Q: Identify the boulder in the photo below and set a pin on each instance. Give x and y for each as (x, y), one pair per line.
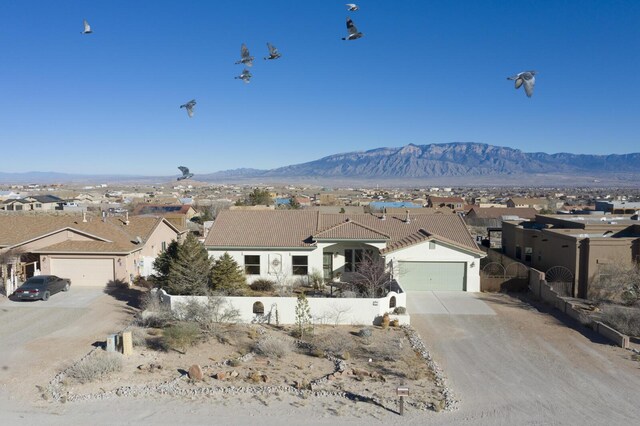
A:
(234, 374)
(195, 372)
(221, 375)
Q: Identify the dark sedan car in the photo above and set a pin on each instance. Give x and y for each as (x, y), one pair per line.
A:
(41, 287)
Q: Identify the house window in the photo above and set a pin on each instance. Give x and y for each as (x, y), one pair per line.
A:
(164, 246)
(300, 265)
(432, 245)
(38, 206)
(528, 251)
(348, 260)
(518, 252)
(252, 265)
(18, 207)
(258, 308)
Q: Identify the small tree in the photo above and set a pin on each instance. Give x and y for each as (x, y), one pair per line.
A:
(303, 316)
(162, 264)
(260, 197)
(371, 275)
(227, 276)
(293, 203)
(189, 270)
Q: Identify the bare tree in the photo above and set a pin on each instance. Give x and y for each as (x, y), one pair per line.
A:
(338, 313)
(371, 275)
(617, 283)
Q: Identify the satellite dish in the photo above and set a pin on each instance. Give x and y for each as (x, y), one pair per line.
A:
(138, 240)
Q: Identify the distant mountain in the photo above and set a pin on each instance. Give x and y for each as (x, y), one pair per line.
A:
(457, 159)
(457, 162)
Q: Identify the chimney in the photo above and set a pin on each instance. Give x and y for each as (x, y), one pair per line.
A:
(104, 216)
(408, 219)
(384, 214)
(126, 217)
(84, 216)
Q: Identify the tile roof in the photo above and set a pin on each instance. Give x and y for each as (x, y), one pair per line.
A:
(297, 228)
(112, 235)
(498, 212)
(141, 209)
(350, 230)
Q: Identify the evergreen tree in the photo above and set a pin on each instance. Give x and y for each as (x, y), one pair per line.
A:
(293, 203)
(260, 197)
(227, 276)
(189, 270)
(303, 315)
(162, 264)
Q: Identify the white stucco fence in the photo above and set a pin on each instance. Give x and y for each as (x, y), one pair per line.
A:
(340, 311)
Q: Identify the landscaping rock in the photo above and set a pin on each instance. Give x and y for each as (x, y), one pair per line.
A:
(195, 372)
(234, 374)
(221, 375)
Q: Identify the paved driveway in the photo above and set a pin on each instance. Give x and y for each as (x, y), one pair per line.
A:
(525, 366)
(446, 303)
(37, 338)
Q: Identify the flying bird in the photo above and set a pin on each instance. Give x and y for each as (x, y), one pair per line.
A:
(353, 31)
(527, 78)
(245, 57)
(273, 52)
(87, 27)
(185, 173)
(352, 7)
(245, 76)
(189, 107)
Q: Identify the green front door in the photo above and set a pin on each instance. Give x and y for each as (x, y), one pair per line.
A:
(423, 276)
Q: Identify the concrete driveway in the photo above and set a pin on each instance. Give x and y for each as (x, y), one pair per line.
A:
(38, 338)
(523, 365)
(446, 303)
(76, 297)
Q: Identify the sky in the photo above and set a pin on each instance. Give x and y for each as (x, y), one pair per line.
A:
(424, 72)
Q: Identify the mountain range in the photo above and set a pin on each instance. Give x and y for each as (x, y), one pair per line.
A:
(457, 163)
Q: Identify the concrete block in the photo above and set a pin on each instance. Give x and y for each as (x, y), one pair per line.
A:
(127, 343)
(615, 336)
(112, 341)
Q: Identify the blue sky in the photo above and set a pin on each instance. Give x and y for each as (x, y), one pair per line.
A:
(425, 72)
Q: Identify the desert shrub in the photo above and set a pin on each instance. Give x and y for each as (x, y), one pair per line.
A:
(138, 336)
(395, 323)
(95, 366)
(616, 283)
(400, 310)
(262, 284)
(624, 319)
(317, 352)
(272, 347)
(365, 332)
(316, 280)
(333, 343)
(153, 313)
(346, 355)
(181, 335)
(235, 362)
(211, 315)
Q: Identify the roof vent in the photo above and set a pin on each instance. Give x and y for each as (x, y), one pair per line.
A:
(384, 214)
(407, 219)
(138, 240)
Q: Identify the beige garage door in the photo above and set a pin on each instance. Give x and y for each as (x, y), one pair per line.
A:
(84, 272)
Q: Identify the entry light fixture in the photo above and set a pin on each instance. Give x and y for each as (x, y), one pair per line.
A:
(473, 264)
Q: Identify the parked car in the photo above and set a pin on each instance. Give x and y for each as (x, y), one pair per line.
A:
(41, 287)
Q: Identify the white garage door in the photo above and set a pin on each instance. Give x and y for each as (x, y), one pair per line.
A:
(84, 272)
(449, 276)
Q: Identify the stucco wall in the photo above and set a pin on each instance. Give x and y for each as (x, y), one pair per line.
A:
(323, 310)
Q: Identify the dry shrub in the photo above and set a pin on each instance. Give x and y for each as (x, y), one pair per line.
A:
(624, 319)
(262, 284)
(616, 283)
(400, 310)
(346, 355)
(180, 336)
(333, 343)
(139, 336)
(272, 347)
(255, 377)
(95, 366)
(153, 312)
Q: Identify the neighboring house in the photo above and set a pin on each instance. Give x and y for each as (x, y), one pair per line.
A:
(423, 252)
(33, 202)
(480, 216)
(178, 214)
(617, 207)
(581, 244)
(533, 203)
(88, 250)
(456, 204)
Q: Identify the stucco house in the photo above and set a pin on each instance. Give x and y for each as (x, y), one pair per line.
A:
(91, 251)
(33, 203)
(423, 252)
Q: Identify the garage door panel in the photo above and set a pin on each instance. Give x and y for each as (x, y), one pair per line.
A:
(84, 272)
(427, 276)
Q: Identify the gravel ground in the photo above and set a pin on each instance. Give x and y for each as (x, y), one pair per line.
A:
(520, 366)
